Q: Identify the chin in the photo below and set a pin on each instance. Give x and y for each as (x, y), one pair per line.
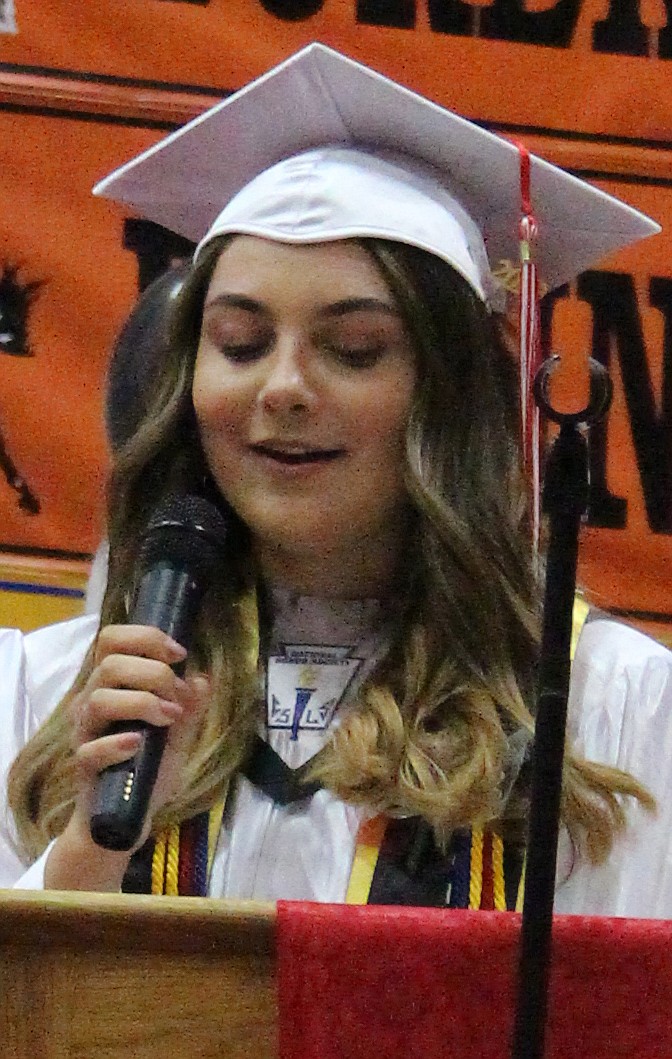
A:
(309, 543)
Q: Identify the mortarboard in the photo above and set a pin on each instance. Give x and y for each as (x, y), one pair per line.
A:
(321, 147)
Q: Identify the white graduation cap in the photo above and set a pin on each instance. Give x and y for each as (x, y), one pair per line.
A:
(322, 148)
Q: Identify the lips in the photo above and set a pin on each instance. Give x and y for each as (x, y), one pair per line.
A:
(295, 455)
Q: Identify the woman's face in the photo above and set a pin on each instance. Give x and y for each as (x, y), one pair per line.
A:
(303, 383)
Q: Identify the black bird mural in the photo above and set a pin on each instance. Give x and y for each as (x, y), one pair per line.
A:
(16, 298)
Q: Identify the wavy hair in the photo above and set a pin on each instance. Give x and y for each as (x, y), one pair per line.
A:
(436, 726)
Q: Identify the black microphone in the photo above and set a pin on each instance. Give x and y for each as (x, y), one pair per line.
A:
(180, 549)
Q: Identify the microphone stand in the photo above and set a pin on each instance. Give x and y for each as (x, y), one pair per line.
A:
(565, 499)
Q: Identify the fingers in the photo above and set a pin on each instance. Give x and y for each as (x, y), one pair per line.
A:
(91, 758)
(143, 641)
(123, 688)
(132, 679)
(136, 674)
(104, 706)
(137, 690)
(95, 754)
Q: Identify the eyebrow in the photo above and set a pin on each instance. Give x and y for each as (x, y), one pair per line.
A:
(339, 308)
(356, 305)
(236, 301)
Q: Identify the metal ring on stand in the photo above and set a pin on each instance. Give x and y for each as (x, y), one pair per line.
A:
(601, 390)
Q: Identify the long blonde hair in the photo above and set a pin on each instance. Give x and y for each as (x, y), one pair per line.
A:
(433, 731)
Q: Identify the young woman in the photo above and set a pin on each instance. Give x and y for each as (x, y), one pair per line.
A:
(364, 666)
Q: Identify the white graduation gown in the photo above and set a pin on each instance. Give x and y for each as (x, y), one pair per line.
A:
(620, 713)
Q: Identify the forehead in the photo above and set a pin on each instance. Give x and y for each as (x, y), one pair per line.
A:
(264, 268)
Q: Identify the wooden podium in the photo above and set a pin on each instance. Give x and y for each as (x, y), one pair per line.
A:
(98, 976)
(89, 976)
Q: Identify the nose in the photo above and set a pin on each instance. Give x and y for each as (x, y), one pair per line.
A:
(286, 386)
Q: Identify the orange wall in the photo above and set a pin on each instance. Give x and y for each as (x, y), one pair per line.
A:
(84, 87)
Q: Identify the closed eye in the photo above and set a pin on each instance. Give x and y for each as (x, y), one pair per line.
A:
(358, 356)
(360, 332)
(245, 353)
(238, 331)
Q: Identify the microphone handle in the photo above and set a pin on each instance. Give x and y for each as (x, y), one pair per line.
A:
(168, 598)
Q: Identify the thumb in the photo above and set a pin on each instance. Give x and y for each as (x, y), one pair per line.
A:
(197, 693)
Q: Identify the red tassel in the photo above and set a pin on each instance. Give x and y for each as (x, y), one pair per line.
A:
(530, 344)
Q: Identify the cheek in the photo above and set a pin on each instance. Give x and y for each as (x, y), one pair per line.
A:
(382, 419)
(217, 404)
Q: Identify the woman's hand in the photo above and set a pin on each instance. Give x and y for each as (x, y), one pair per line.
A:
(131, 680)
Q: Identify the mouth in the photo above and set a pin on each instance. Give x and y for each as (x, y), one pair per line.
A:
(295, 456)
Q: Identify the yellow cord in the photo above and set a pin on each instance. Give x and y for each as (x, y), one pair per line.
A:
(159, 864)
(521, 888)
(499, 892)
(476, 868)
(172, 861)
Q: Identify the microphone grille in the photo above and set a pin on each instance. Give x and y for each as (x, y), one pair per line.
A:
(185, 530)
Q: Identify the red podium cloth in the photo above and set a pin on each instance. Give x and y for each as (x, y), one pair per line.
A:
(378, 982)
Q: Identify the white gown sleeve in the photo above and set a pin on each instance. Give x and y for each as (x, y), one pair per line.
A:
(37, 670)
(620, 713)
